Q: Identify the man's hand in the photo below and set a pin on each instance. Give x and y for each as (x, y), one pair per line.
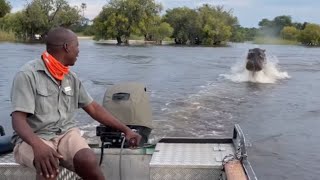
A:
(98, 113)
(46, 160)
(133, 138)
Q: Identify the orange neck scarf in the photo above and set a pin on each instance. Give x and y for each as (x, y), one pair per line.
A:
(56, 69)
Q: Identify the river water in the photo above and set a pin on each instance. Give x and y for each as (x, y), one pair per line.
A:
(203, 92)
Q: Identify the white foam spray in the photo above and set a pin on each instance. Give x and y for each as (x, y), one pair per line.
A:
(269, 74)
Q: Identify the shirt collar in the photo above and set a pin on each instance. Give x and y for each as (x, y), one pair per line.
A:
(40, 66)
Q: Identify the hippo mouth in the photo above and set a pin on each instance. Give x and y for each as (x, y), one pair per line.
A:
(254, 65)
(256, 59)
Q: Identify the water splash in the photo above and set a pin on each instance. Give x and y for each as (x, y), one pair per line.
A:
(269, 74)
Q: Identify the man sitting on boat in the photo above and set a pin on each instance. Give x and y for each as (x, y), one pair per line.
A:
(45, 95)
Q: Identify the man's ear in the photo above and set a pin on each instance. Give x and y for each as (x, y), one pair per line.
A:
(65, 47)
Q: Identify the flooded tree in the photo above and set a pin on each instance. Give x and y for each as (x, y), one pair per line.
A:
(121, 18)
(208, 25)
(273, 27)
(289, 33)
(5, 8)
(39, 16)
(310, 35)
(216, 24)
(158, 31)
(186, 25)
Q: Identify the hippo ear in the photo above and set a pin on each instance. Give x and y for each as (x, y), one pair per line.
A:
(263, 50)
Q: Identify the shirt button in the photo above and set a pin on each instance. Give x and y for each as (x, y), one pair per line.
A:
(59, 131)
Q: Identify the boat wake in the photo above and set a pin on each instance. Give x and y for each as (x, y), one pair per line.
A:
(269, 74)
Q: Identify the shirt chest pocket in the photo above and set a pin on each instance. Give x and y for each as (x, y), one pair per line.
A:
(68, 99)
(46, 99)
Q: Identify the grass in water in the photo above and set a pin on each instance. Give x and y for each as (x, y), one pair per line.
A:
(271, 40)
(7, 36)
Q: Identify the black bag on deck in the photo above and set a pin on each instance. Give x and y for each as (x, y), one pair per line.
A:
(5, 142)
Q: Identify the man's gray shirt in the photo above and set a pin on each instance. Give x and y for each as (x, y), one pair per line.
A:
(51, 107)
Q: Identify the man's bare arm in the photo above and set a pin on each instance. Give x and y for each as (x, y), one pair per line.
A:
(98, 113)
(22, 128)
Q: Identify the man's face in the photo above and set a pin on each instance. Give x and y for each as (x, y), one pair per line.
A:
(72, 49)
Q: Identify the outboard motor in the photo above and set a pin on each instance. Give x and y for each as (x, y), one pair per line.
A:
(129, 103)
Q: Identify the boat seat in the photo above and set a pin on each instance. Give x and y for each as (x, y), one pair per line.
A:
(10, 170)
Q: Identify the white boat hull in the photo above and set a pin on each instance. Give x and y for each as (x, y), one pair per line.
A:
(170, 159)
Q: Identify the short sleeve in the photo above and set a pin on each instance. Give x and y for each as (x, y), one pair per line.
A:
(22, 94)
(84, 97)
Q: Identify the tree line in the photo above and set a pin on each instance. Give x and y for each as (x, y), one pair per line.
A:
(38, 17)
(283, 27)
(121, 19)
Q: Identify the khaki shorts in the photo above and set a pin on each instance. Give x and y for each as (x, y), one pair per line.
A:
(67, 144)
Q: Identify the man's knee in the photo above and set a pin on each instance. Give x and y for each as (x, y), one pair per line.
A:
(85, 157)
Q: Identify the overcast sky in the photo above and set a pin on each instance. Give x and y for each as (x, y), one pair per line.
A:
(249, 12)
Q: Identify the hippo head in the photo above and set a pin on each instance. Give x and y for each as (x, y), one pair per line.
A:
(256, 59)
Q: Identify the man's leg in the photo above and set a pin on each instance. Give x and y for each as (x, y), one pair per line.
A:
(78, 156)
(86, 165)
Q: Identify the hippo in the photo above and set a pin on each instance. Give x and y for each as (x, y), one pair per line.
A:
(256, 59)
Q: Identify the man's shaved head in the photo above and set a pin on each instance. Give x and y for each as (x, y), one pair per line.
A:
(63, 44)
(58, 37)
